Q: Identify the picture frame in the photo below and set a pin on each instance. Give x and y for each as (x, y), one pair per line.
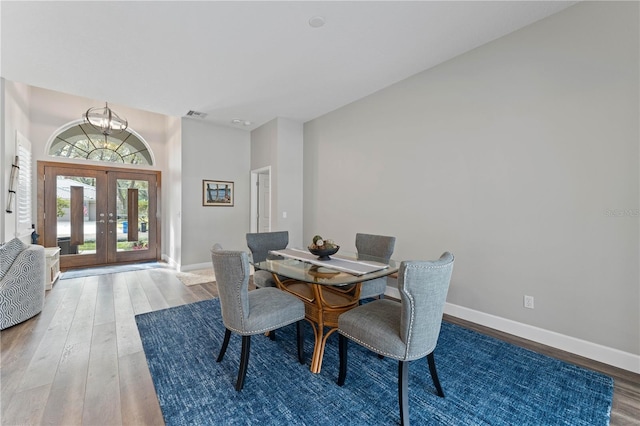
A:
(217, 193)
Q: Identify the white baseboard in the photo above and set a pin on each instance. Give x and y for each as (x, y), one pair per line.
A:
(184, 268)
(169, 261)
(594, 351)
(195, 266)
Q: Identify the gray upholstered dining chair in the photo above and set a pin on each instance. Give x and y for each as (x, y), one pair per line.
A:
(378, 246)
(251, 312)
(260, 243)
(405, 331)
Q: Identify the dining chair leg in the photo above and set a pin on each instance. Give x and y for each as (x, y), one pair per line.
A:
(244, 362)
(434, 374)
(403, 389)
(225, 343)
(342, 350)
(300, 338)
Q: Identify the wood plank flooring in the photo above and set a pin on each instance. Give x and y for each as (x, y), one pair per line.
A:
(80, 362)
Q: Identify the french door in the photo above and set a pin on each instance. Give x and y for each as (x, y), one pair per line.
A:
(98, 215)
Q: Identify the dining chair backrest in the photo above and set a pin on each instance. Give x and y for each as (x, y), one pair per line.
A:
(261, 242)
(423, 287)
(231, 269)
(371, 246)
(379, 246)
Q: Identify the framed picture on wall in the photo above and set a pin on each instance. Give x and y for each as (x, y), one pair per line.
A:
(217, 193)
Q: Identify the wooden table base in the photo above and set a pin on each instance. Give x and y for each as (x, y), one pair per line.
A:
(323, 305)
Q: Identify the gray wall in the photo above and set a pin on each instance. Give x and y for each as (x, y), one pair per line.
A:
(279, 144)
(214, 153)
(264, 153)
(520, 157)
(290, 178)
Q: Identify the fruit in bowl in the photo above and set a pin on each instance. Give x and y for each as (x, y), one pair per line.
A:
(323, 248)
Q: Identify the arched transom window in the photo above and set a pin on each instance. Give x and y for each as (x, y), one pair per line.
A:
(82, 141)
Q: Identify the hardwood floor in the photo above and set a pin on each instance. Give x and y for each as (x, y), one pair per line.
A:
(81, 360)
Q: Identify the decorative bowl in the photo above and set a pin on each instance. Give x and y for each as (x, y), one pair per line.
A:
(323, 254)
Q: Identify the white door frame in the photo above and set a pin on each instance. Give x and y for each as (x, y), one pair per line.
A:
(255, 195)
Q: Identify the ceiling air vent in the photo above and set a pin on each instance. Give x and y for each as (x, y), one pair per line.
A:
(196, 114)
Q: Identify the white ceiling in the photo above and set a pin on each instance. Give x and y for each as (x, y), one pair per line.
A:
(249, 60)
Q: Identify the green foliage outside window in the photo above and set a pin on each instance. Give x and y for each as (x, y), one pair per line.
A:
(62, 204)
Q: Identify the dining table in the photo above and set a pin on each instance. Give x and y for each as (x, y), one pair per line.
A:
(328, 286)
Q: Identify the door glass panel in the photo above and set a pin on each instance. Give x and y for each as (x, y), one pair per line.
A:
(127, 190)
(81, 219)
(99, 216)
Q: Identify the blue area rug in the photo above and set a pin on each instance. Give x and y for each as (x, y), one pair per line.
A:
(486, 381)
(102, 270)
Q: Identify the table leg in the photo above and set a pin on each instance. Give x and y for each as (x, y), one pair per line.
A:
(318, 349)
(323, 344)
(319, 313)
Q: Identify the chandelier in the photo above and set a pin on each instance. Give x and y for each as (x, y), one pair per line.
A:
(105, 120)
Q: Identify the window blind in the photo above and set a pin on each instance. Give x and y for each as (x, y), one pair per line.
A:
(23, 196)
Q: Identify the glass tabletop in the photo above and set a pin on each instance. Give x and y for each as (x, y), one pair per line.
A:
(321, 272)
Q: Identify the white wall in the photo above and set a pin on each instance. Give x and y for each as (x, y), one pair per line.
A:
(520, 157)
(185, 151)
(171, 201)
(51, 110)
(39, 113)
(214, 153)
(3, 176)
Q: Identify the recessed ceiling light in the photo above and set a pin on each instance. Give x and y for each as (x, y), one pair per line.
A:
(316, 22)
(239, 121)
(236, 121)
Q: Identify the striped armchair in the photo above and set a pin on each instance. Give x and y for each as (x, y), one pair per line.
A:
(23, 275)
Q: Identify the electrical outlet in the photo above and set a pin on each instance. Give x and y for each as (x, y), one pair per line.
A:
(528, 301)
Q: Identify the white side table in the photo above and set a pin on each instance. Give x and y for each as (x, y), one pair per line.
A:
(53, 265)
